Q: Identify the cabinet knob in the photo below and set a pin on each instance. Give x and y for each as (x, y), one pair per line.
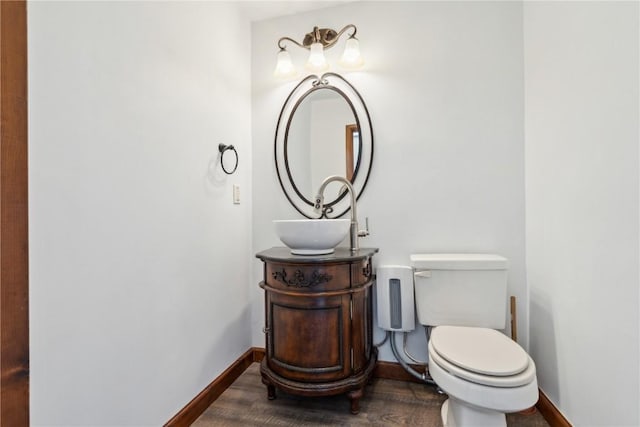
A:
(265, 330)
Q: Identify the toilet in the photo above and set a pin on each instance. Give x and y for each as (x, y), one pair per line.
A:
(484, 373)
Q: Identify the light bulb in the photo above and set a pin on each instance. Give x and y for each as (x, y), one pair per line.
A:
(284, 66)
(351, 58)
(317, 63)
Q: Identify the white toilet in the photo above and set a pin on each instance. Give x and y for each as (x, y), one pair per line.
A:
(485, 374)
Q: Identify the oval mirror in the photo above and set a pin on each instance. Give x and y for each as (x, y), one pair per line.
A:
(324, 129)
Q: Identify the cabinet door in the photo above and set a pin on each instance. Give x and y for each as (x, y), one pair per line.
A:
(361, 329)
(309, 337)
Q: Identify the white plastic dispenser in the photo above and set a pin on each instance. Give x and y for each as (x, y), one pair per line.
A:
(394, 295)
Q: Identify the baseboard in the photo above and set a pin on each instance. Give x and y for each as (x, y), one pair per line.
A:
(258, 354)
(206, 397)
(550, 413)
(386, 370)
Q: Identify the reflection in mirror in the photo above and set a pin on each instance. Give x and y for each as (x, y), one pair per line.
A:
(352, 149)
(316, 142)
(323, 129)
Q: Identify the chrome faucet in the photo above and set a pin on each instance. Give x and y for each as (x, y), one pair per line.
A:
(319, 203)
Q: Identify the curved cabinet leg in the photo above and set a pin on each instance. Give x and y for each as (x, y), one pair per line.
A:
(271, 388)
(271, 391)
(354, 396)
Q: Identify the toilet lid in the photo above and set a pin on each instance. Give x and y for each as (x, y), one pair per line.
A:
(480, 350)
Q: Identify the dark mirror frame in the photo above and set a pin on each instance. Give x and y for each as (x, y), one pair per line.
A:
(329, 81)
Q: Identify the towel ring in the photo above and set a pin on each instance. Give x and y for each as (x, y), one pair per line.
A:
(224, 148)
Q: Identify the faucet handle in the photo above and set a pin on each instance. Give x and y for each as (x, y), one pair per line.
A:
(365, 232)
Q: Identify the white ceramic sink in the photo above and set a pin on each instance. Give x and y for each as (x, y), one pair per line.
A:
(312, 236)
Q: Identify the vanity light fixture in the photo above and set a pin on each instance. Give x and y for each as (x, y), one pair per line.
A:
(316, 42)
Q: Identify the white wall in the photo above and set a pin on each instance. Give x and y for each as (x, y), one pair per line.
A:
(444, 87)
(581, 73)
(137, 255)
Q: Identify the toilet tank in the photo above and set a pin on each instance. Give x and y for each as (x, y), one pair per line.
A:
(460, 289)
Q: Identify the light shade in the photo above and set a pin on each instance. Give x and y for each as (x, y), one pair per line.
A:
(316, 43)
(317, 63)
(351, 58)
(284, 66)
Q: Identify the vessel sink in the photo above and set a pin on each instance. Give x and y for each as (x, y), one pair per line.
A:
(312, 236)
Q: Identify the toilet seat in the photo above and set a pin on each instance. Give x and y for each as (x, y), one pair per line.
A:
(470, 396)
(480, 355)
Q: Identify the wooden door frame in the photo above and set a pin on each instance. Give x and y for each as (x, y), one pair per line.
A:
(349, 130)
(14, 252)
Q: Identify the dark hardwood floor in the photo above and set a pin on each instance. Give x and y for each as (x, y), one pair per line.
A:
(385, 403)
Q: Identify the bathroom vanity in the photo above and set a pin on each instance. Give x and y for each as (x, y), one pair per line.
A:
(318, 323)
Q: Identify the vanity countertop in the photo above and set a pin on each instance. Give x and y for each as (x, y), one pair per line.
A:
(340, 254)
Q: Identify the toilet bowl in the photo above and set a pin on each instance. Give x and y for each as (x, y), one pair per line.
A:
(484, 373)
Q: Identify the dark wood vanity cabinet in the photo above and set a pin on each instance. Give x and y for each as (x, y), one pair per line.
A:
(318, 323)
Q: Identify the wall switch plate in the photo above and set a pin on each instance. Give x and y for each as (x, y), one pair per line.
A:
(236, 194)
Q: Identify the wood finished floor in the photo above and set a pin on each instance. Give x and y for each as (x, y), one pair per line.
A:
(385, 403)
